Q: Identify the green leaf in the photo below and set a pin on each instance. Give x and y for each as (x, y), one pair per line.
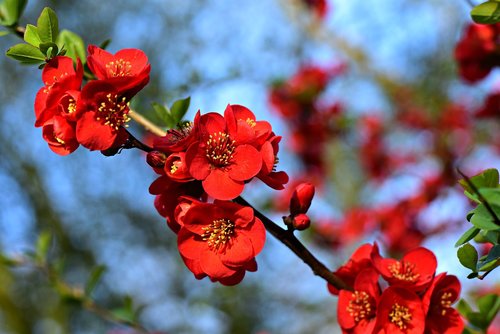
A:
(42, 246)
(11, 11)
(494, 253)
(49, 49)
(25, 53)
(488, 178)
(486, 13)
(489, 306)
(164, 115)
(48, 26)
(483, 219)
(467, 255)
(488, 266)
(491, 195)
(464, 308)
(94, 278)
(31, 35)
(73, 44)
(126, 312)
(179, 109)
(467, 236)
(4, 33)
(478, 320)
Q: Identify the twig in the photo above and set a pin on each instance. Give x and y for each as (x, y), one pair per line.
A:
(481, 197)
(289, 240)
(147, 124)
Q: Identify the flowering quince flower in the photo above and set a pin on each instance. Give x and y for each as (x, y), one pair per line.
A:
(359, 261)
(267, 174)
(55, 103)
(415, 271)
(437, 301)
(219, 160)
(102, 113)
(320, 7)
(301, 198)
(356, 309)
(178, 140)
(220, 240)
(127, 70)
(399, 311)
(169, 194)
(476, 53)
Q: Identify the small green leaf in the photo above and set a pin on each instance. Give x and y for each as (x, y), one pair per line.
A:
(94, 278)
(486, 13)
(491, 195)
(467, 236)
(489, 306)
(164, 115)
(478, 320)
(488, 266)
(483, 219)
(488, 178)
(73, 44)
(105, 44)
(126, 312)
(4, 33)
(493, 254)
(25, 53)
(467, 255)
(42, 246)
(11, 11)
(464, 308)
(179, 109)
(31, 35)
(49, 49)
(48, 26)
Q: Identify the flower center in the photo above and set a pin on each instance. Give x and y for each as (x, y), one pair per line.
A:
(59, 140)
(445, 302)
(360, 307)
(251, 122)
(218, 233)
(119, 68)
(113, 111)
(404, 271)
(175, 135)
(400, 316)
(220, 149)
(68, 104)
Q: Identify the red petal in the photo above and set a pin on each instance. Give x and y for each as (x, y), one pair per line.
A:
(190, 245)
(247, 163)
(93, 134)
(212, 265)
(238, 251)
(257, 234)
(219, 185)
(197, 162)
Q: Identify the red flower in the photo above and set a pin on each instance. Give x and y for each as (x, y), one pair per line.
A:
(441, 317)
(399, 311)
(267, 173)
(60, 135)
(356, 309)
(320, 7)
(127, 71)
(476, 51)
(220, 240)
(301, 198)
(415, 271)
(359, 260)
(491, 107)
(178, 140)
(102, 112)
(301, 222)
(219, 161)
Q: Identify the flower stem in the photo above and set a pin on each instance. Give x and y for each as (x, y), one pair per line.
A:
(147, 124)
(291, 241)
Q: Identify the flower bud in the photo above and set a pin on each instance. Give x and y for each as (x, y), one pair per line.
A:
(156, 159)
(301, 221)
(301, 198)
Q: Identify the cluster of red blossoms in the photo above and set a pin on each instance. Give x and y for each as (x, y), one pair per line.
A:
(213, 157)
(477, 53)
(312, 123)
(411, 300)
(95, 115)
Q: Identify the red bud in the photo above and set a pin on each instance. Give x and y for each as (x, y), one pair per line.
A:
(156, 159)
(301, 222)
(301, 198)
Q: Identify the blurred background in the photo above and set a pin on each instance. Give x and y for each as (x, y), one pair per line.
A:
(385, 58)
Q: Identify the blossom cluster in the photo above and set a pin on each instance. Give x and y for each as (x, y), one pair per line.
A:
(413, 299)
(311, 123)
(213, 157)
(95, 115)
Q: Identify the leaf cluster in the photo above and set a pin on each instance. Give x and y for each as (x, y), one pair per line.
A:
(44, 42)
(484, 190)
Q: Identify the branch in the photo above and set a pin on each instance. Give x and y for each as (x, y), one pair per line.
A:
(147, 124)
(483, 200)
(289, 240)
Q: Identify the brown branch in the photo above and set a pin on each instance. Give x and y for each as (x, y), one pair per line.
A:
(289, 240)
(483, 200)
